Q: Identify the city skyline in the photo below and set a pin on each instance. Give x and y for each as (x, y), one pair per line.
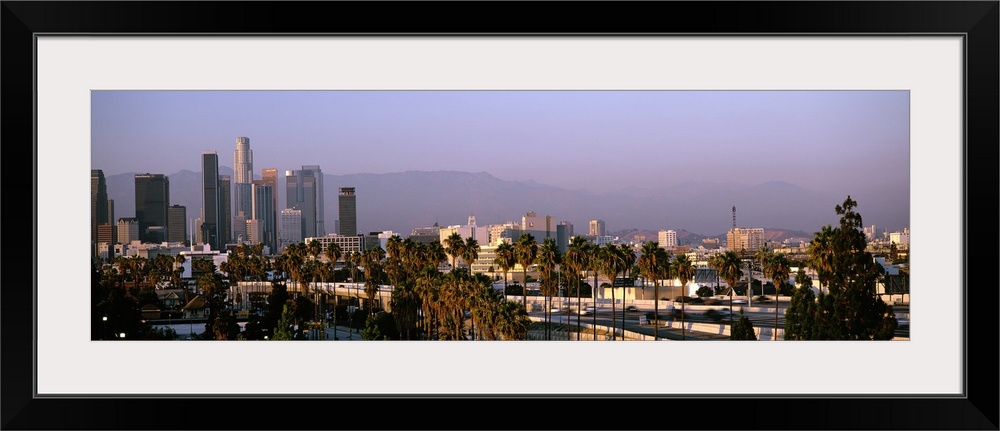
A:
(635, 142)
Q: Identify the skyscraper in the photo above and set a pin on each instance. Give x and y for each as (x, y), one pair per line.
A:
(177, 223)
(291, 228)
(98, 202)
(304, 191)
(210, 207)
(242, 186)
(263, 213)
(320, 211)
(270, 176)
(225, 210)
(128, 230)
(597, 228)
(152, 197)
(348, 208)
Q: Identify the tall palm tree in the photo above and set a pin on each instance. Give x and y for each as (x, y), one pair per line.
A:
(610, 265)
(470, 252)
(626, 259)
(594, 253)
(576, 261)
(730, 269)
(525, 250)
(372, 259)
(651, 265)
(777, 268)
(453, 245)
(505, 260)
(512, 321)
(821, 255)
(685, 271)
(547, 259)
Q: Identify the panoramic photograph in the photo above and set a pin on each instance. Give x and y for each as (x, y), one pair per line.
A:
(557, 216)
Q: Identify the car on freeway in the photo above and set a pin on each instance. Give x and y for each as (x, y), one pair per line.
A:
(587, 310)
(631, 308)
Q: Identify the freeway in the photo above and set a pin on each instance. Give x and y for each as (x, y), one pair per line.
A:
(760, 317)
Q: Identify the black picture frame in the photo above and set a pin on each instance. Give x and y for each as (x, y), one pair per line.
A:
(976, 21)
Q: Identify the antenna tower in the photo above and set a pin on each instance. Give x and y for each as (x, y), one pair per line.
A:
(734, 216)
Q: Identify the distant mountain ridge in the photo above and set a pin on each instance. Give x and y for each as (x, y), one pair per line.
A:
(405, 200)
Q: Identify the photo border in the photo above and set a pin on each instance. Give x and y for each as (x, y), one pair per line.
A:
(976, 20)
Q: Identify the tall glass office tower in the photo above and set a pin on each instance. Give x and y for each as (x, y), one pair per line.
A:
(210, 205)
(304, 192)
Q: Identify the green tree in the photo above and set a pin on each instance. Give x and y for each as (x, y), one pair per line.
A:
(380, 326)
(743, 329)
(283, 330)
(852, 310)
(225, 327)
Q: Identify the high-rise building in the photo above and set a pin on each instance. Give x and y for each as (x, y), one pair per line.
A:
(210, 204)
(542, 227)
(198, 235)
(242, 187)
(225, 210)
(98, 202)
(597, 228)
(255, 232)
(745, 240)
(317, 174)
(263, 213)
(667, 239)
(177, 223)
(303, 191)
(105, 234)
(291, 228)
(348, 209)
(152, 197)
(270, 176)
(128, 230)
(569, 228)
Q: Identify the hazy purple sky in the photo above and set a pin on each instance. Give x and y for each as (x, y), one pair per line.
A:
(827, 141)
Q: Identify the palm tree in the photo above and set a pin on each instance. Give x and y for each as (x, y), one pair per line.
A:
(525, 251)
(505, 260)
(821, 255)
(548, 258)
(609, 266)
(453, 245)
(730, 268)
(626, 259)
(651, 265)
(470, 252)
(372, 259)
(685, 271)
(777, 268)
(576, 261)
(594, 253)
(512, 321)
